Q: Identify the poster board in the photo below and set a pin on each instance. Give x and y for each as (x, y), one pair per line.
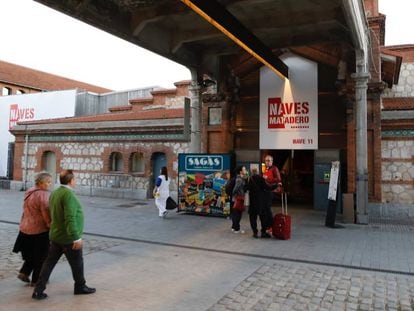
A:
(201, 182)
(333, 181)
(289, 107)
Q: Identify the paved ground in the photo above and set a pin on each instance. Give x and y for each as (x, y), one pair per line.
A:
(140, 262)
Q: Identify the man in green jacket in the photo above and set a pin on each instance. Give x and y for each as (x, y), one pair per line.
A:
(65, 236)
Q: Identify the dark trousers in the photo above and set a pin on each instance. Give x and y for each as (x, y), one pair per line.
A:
(263, 222)
(75, 259)
(34, 253)
(236, 216)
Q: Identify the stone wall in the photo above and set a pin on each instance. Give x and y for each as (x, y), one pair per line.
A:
(397, 137)
(93, 178)
(405, 86)
(397, 171)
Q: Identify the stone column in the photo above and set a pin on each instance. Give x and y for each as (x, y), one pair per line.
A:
(361, 81)
(196, 113)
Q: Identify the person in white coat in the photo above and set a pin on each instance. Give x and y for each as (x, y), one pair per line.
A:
(162, 192)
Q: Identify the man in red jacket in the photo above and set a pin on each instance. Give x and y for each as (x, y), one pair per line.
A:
(273, 179)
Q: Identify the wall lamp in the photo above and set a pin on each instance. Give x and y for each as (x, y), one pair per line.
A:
(220, 18)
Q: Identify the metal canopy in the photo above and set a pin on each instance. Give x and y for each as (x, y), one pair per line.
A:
(171, 29)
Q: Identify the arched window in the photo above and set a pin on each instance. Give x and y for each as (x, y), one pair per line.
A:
(136, 162)
(49, 162)
(115, 162)
(6, 91)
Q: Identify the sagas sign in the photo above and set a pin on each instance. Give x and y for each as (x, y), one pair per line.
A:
(289, 108)
(203, 162)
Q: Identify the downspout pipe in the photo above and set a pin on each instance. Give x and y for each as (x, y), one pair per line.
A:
(26, 158)
(355, 14)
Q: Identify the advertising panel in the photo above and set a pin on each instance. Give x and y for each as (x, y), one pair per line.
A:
(201, 182)
(31, 107)
(289, 107)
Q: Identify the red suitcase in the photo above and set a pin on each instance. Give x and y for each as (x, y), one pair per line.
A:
(282, 222)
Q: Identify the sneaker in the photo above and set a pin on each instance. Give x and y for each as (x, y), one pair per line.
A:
(23, 277)
(164, 214)
(265, 235)
(239, 231)
(39, 296)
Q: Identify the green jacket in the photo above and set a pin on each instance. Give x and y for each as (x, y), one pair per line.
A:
(67, 216)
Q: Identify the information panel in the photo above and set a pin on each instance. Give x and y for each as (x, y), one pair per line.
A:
(201, 182)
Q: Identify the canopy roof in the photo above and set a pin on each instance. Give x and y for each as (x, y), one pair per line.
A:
(176, 30)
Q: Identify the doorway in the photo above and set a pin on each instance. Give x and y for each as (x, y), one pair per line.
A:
(158, 160)
(296, 169)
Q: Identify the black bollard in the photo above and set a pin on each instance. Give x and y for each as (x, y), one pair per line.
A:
(331, 214)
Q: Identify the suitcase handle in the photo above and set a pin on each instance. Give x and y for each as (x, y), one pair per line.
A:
(284, 203)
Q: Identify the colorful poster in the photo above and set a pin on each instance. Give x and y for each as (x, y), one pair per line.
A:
(201, 183)
(289, 107)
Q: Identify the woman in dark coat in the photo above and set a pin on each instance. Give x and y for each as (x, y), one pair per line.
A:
(258, 188)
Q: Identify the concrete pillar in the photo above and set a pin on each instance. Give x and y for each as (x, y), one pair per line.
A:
(196, 101)
(361, 86)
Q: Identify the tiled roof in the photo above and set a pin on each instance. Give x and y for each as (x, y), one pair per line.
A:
(42, 81)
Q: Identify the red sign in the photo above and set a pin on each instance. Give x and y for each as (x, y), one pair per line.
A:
(293, 115)
(22, 114)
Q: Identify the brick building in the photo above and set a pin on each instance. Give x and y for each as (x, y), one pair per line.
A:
(15, 79)
(115, 154)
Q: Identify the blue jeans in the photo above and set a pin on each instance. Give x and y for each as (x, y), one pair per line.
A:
(75, 259)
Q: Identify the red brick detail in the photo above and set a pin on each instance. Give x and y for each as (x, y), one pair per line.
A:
(398, 160)
(142, 115)
(398, 182)
(371, 7)
(216, 138)
(106, 155)
(398, 103)
(18, 158)
(406, 50)
(397, 138)
(49, 148)
(120, 108)
(182, 87)
(139, 103)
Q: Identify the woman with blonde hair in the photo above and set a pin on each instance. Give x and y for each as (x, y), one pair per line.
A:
(33, 238)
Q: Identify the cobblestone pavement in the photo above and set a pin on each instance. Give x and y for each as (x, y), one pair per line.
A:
(276, 286)
(10, 262)
(355, 268)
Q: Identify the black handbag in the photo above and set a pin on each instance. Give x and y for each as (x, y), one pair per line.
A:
(171, 204)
